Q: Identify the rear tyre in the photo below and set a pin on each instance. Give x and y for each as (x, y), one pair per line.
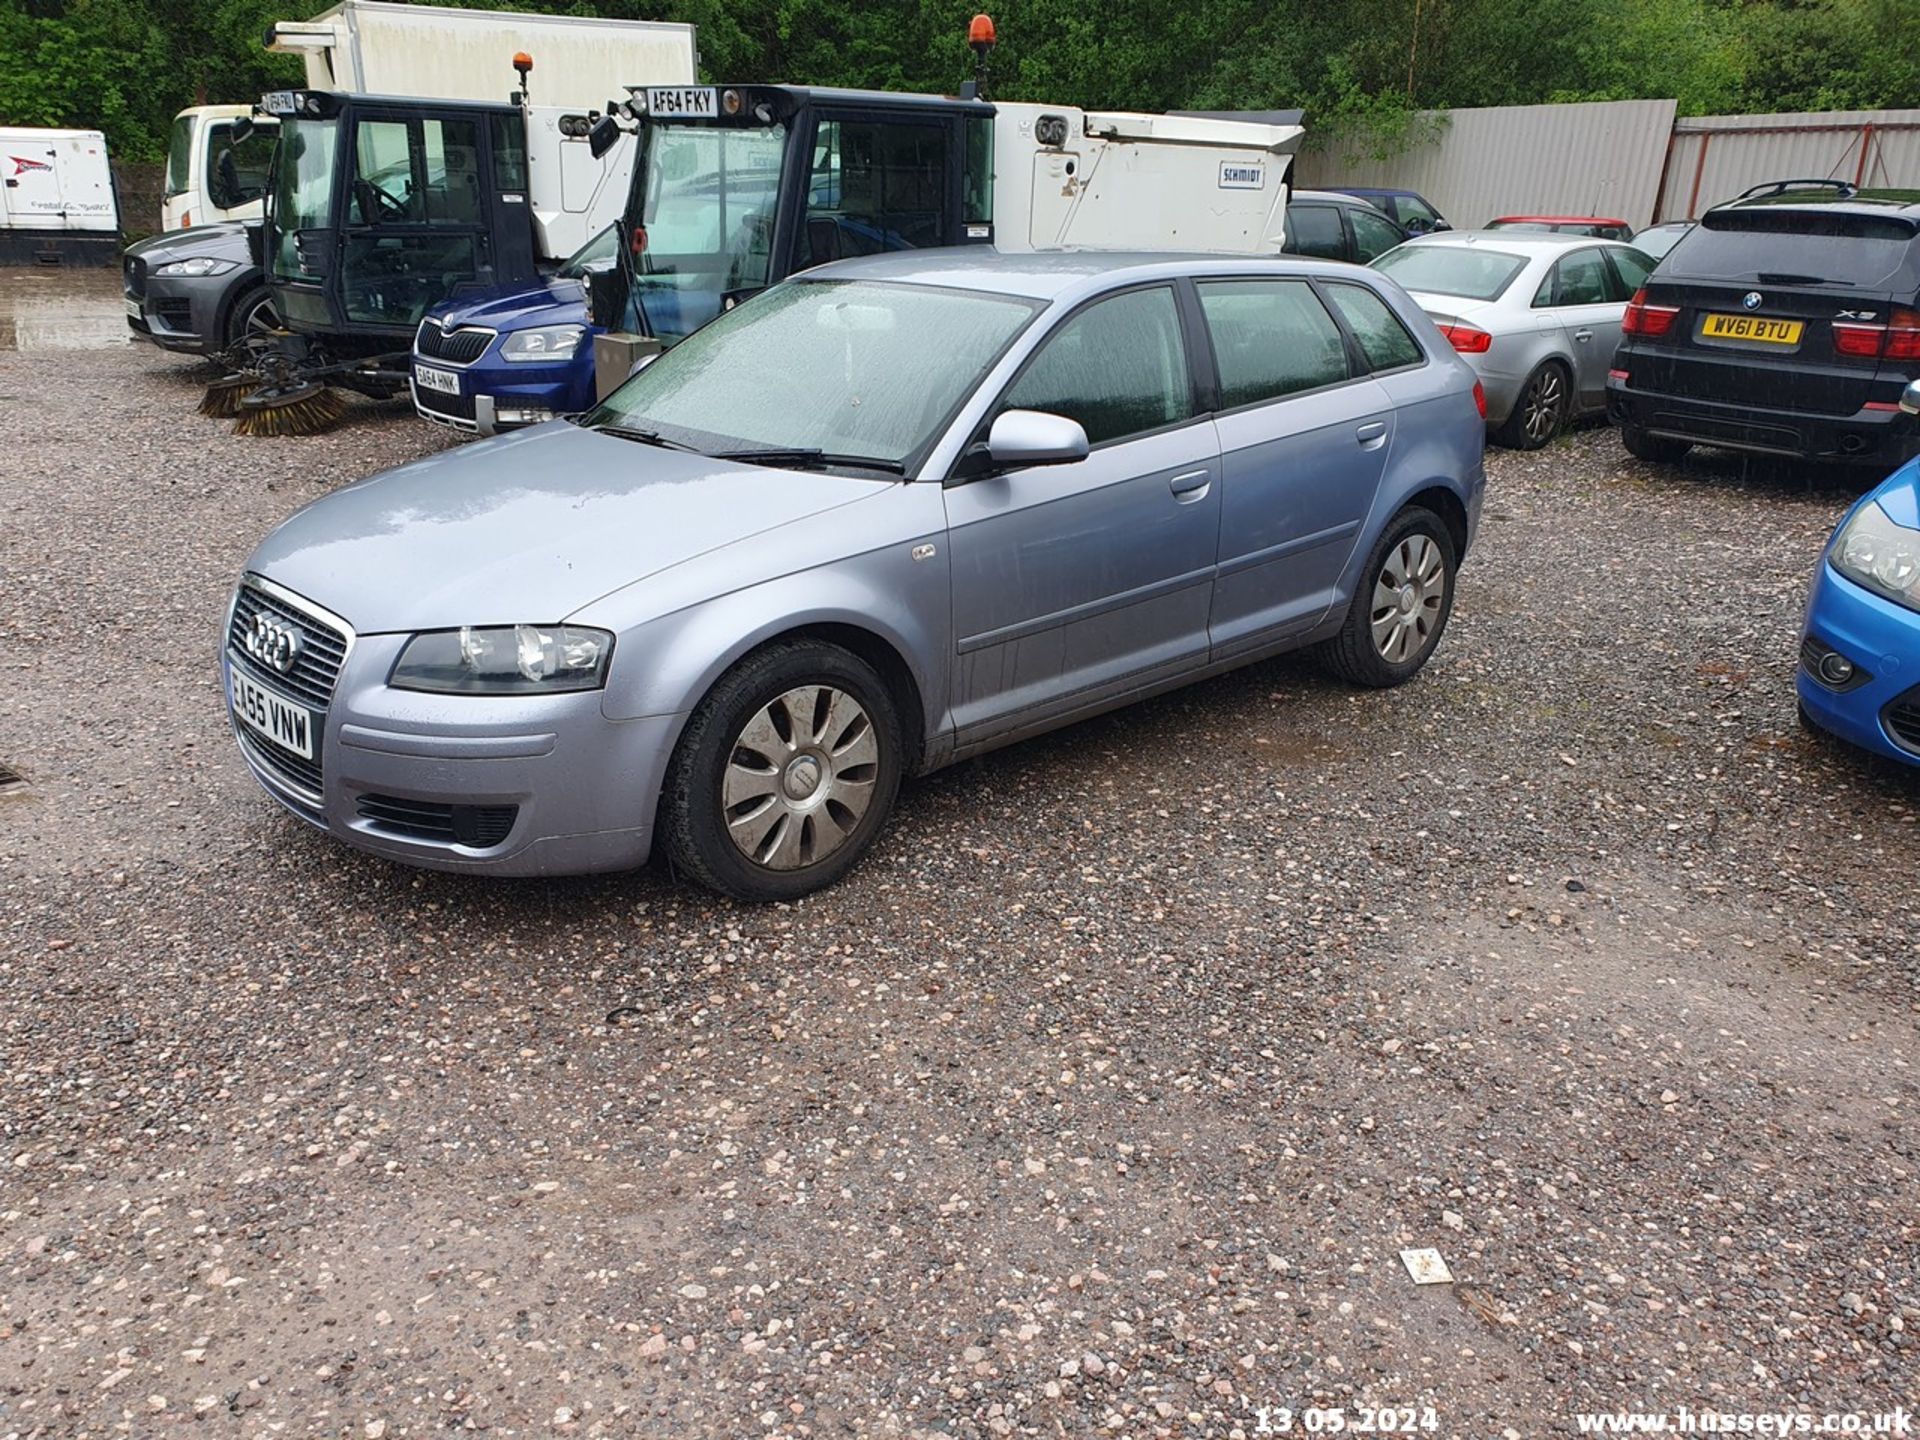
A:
(1541, 410)
(1643, 446)
(785, 773)
(1400, 605)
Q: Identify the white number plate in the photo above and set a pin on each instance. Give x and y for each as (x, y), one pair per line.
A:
(694, 102)
(447, 382)
(133, 309)
(288, 725)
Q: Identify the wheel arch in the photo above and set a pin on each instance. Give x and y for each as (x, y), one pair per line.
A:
(1443, 501)
(242, 285)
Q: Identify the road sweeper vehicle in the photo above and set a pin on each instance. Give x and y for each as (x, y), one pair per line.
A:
(381, 206)
(736, 187)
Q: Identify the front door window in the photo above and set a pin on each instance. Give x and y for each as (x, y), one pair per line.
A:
(874, 186)
(415, 217)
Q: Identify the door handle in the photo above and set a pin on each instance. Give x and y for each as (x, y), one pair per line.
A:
(1191, 485)
(1583, 334)
(1371, 435)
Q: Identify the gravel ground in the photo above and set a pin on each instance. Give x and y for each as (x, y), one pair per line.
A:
(1100, 1100)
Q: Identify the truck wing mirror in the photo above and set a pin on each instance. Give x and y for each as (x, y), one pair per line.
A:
(604, 135)
(1023, 438)
(240, 131)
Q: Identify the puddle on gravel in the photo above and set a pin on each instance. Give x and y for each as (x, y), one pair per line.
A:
(61, 309)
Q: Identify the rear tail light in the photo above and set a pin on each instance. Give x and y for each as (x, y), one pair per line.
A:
(1651, 321)
(1898, 339)
(1466, 339)
(1480, 398)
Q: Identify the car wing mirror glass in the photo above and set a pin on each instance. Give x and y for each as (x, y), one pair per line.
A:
(1023, 438)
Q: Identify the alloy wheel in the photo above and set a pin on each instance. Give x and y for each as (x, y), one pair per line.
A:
(800, 777)
(1546, 397)
(1407, 599)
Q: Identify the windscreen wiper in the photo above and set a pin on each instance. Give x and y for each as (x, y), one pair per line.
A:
(801, 458)
(645, 437)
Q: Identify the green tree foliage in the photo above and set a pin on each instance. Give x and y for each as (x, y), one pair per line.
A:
(1357, 66)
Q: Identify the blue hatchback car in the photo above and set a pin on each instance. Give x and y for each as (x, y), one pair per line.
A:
(1860, 650)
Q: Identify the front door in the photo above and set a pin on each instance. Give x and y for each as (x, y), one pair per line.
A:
(1076, 582)
(416, 216)
(878, 181)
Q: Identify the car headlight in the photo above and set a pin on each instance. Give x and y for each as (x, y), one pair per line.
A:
(549, 342)
(504, 660)
(199, 265)
(1883, 556)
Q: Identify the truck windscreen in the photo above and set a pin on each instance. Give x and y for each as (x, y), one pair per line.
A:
(708, 196)
(302, 194)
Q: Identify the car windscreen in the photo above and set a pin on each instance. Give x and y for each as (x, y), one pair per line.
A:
(1793, 247)
(1468, 272)
(859, 368)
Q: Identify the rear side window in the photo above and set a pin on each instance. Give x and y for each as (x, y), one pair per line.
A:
(1383, 339)
(1270, 338)
(1118, 367)
(1785, 247)
(1373, 235)
(1578, 279)
(1633, 268)
(1466, 271)
(1315, 230)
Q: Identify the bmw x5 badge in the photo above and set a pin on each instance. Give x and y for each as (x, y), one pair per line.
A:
(1751, 300)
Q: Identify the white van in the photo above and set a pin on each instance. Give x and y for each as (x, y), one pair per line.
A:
(56, 198)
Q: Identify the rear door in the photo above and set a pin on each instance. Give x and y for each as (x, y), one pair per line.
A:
(1304, 435)
(1315, 229)
(1584, 299)
(1759, 293)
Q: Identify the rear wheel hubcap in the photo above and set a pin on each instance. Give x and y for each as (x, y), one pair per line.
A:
(1407, 599)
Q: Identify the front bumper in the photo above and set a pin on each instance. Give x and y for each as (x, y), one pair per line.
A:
(184, 314)
(534, 785)
(1882, 438)
(1879, 637)
(504, 396)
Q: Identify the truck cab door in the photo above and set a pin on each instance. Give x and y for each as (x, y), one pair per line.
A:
(878, 180)
(417, 217)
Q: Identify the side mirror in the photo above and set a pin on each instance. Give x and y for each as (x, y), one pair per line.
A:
(1022, 438)
(603, 136)
(1438, 226)
(1910, 399)
(240, 131)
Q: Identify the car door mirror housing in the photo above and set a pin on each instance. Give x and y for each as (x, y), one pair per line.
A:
(1910, 399)
(1023, 438)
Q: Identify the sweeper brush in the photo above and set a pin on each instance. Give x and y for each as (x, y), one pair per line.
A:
(301, 408)
(224, 396)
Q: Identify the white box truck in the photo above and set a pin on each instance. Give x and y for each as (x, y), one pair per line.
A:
(57, 203)
(419, 52)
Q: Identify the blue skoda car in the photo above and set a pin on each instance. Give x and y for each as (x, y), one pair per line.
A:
(1860, 653)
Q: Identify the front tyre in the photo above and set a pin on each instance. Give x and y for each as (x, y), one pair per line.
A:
(1400, 605)
(786, 772)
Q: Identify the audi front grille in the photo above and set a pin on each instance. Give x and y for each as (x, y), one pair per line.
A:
(309, 681)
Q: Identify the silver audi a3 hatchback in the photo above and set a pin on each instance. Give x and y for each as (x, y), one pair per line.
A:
(887, 515)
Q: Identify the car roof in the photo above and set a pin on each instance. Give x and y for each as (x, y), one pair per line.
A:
(1517, 242)
(1558, 220)
(1332, 197)
(1846, 202)
(1058, 274)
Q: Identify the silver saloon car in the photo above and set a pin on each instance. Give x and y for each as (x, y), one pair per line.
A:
(1536, 315)
(887, 515)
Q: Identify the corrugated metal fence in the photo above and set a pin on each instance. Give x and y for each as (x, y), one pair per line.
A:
(1714, 157)
(1628, 158)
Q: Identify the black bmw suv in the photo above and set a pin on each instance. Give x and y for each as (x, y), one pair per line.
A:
(1784, 323)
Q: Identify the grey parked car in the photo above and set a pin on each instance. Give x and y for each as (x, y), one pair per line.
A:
(1537, 315)
(198, 291)
(892, 513)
